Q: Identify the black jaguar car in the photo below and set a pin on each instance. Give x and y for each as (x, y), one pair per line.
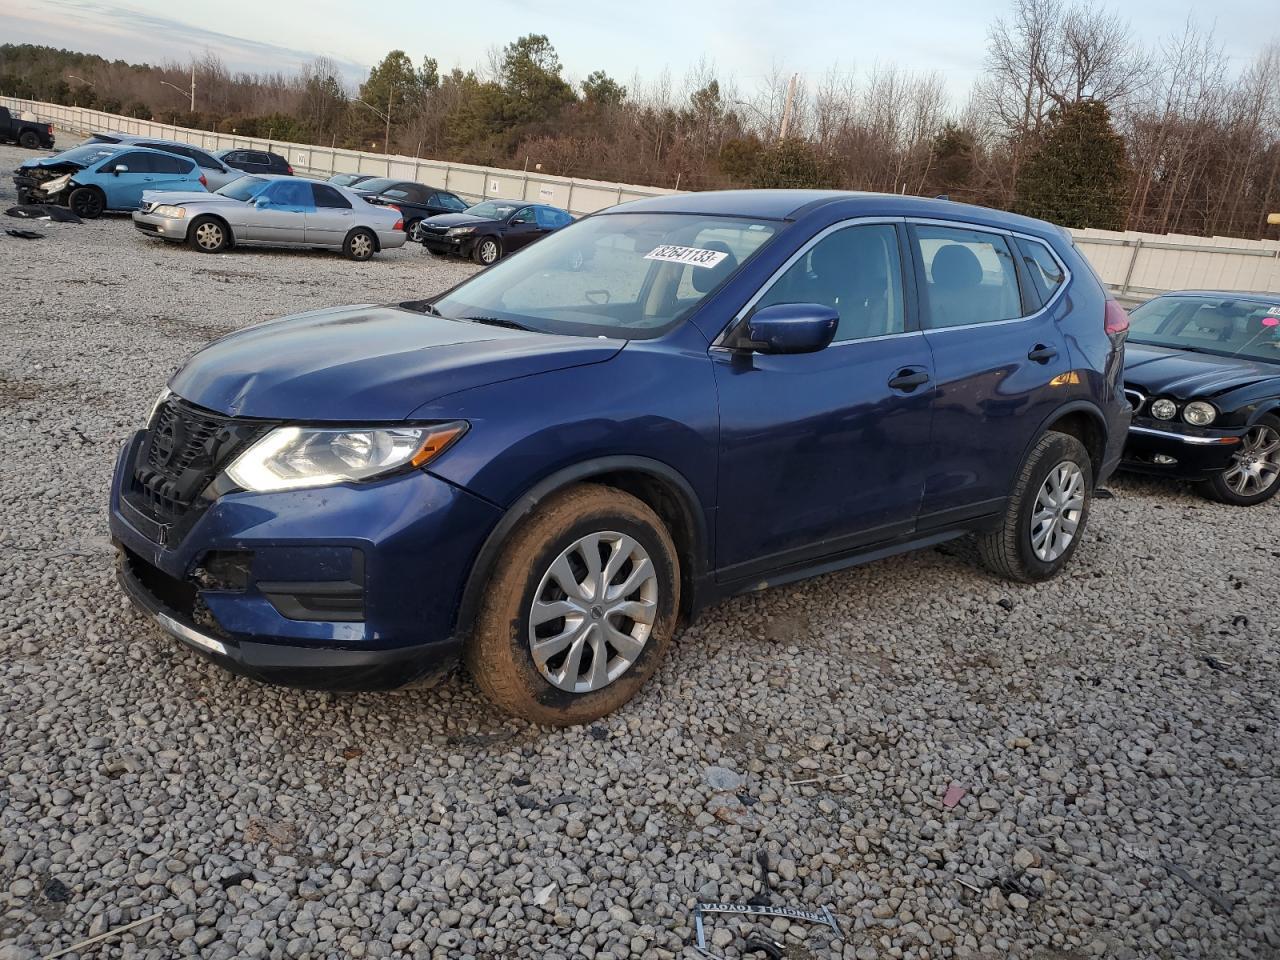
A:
(415, 200)
(1202, 373)
(491, 229)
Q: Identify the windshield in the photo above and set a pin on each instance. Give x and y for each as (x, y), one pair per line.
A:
(1221, 324)
(628, 275)
(346, 179)
(493, 209)
(376, 185)
(245, 188)
(86, 154)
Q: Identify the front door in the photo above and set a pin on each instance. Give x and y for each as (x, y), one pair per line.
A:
(522, 229)
(282, 219)
(1001, 366)
(824, 452)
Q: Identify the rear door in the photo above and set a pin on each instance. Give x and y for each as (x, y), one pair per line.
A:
(823, 453)
(174, 173)
(1000, 365)
(332, 217)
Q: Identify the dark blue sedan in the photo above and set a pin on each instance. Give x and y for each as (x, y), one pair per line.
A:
(547, 468)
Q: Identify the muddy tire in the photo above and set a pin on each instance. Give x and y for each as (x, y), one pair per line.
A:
(208, 235)
(86, 203)
(579, 610)
(360, 245)
(487, 251)
(1046, 515)
(29, 140)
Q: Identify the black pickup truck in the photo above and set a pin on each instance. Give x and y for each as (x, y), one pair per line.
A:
(27, 133)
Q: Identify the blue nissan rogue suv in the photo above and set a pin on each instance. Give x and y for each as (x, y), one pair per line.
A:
(548, 467)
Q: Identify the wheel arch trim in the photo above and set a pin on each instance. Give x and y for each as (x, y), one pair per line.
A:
(524, 505)
(1086, 407)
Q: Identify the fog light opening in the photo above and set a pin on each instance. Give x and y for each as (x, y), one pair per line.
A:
(1165, 460)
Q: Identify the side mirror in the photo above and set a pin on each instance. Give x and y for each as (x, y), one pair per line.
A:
(261, 203)
(792, 328)
(119, 169)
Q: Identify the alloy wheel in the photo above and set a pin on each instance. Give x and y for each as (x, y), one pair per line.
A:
(1256, 465)
(361, 246)
(488, 251)
(1058, 511)
(593, 612)
(209, 236)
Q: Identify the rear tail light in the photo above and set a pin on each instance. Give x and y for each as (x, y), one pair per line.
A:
(394, 206)
(203, 182)
(399, 224)
(288, 168)
(1115, 318)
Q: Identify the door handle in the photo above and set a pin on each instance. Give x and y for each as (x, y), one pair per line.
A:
(1041, 353)
(908, 378)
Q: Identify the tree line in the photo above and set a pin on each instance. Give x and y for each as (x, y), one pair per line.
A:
(1072, 119)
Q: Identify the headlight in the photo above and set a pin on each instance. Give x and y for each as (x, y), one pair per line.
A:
(55, 185)
(1199, 414)
(155, 407)
(459, 231)
(168, 210)
(1164, 409)
(290, 458)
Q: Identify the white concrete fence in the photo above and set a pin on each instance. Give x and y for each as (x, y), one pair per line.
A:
(1134, 265)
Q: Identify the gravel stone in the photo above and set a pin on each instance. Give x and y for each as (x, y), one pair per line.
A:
(1084, 718)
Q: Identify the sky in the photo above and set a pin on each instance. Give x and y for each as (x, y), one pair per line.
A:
(743, 39)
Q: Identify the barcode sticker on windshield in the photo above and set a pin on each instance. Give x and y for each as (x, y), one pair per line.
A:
(694, 256)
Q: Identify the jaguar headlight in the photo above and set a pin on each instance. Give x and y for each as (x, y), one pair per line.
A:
(292, 458)
(169, 210)
(1199, 414)
(1164, 409)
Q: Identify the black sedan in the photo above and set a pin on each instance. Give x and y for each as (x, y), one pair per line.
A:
(349, 179)
(490, 230)
(1202, 373)
(415, 201)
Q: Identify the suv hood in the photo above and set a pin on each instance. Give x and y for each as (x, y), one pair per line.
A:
(1168, 371)
(367, 363)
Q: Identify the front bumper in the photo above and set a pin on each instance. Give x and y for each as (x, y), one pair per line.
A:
(167, 228)
(444, 244)
(1194, 456)
(350, 587)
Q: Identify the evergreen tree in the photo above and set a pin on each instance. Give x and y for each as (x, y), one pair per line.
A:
(1078, 176)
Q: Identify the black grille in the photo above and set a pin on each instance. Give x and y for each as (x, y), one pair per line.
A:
(180, 455)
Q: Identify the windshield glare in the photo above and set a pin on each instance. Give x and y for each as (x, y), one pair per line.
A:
(87, 153)
(625, 275)
(245, 188)
(493, 209)
(1226, 325)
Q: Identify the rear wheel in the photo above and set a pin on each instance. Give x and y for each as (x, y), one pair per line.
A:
(411, 228)
(29, 139)
(360, 245)
(1046, 513)
(208, 235)
(579, 610)
(487, 251)
(1254, 474)
(86, 203)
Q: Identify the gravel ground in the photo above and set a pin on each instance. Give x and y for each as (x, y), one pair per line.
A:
(1114, 731)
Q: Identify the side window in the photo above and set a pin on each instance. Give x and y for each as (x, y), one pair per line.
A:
(1044, 270)
(524, 214)
(292, 195)
(170, 164)
(450, 202)
(136, 162)
(204, 160)
(326, 196)
(546, 218)
(413, 193)
(857, 271)
(969, 276)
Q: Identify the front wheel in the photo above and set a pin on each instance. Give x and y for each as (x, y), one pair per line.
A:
(1046, 513)
(487, 251)
(360, 245)
(208, 235)
(1254, 474)
(580, 608)
(86, 203)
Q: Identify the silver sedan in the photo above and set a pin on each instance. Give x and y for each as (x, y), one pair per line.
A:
(275, 211)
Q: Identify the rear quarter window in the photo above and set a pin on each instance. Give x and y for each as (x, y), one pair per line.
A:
(1043, 269)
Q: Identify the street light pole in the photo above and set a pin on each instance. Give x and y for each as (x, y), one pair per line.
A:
(386, 139)
(184, 92)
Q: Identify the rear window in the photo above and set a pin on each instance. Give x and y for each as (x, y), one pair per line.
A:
(1042, 267)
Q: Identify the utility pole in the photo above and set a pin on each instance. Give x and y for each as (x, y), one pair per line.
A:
(386, 139)
(193, 86)
(786, 111)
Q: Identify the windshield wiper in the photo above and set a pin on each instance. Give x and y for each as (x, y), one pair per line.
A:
(422, 306)
(497, 322)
